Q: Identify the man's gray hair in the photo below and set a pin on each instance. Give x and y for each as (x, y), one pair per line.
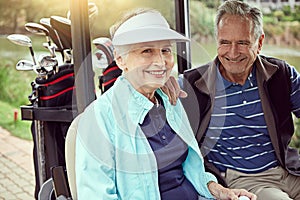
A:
(235, 7)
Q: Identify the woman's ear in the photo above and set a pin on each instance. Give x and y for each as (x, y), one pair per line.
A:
(119, 60)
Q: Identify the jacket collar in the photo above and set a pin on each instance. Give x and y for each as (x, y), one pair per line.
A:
(207, 81)
(207, 84)
(264, 68)
(133, 104)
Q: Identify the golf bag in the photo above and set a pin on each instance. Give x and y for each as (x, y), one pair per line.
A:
(51, 113)
(109, 76)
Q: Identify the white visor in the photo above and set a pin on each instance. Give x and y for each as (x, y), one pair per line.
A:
(146, 27)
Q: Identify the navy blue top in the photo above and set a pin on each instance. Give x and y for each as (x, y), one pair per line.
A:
(170, 152)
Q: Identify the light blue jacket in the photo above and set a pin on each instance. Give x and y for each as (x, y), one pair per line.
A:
(113, 157)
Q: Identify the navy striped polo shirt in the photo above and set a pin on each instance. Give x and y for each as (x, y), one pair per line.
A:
(237, 136)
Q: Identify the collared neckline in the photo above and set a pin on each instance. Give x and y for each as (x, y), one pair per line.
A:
(134, 102)
(223, 84)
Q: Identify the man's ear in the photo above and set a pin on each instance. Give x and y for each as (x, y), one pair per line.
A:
(260, 42)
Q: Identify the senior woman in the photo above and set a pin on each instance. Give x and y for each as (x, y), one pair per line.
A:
(131, 142)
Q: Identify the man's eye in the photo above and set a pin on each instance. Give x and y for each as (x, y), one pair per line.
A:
(243, 43)
(224, 42)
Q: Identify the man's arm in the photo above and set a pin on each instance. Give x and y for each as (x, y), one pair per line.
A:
(295, 92)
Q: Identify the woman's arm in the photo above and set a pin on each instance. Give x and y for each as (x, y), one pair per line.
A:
(94, 180)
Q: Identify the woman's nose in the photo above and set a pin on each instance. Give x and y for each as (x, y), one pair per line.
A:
(159, 58)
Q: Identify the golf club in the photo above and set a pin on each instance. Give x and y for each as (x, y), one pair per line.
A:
(52, 33)
(39, 29)
(22, 40)
(24, 65)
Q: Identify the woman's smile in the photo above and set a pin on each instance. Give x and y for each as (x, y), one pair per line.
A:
(156, 73)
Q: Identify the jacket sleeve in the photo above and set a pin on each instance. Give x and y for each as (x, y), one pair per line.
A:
(95, 180)
(95, 160)
(295, 92)
(195, 172)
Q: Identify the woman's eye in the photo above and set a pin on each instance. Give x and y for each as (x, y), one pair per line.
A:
(147, 51)
(166, 50)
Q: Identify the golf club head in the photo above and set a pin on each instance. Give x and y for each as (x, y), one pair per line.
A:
(44, 68)
(36, 28)
(20, 39)
(102, 40)
(104, 44)
(93, 9)
(62, 26)
(67, 55)
(52, 49)
(47, 63)
(24, 65)
(52, 33)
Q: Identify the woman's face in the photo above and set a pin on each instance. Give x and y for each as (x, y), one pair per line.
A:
(147, 66)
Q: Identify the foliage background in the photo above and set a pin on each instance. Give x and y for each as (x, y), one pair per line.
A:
(282, 27)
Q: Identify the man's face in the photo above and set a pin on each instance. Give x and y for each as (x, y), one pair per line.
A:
(237, 46)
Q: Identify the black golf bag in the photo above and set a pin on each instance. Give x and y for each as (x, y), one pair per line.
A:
(51, 112)
(109, 76)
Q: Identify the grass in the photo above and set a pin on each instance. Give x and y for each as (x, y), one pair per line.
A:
(14, 89)
(18, 128)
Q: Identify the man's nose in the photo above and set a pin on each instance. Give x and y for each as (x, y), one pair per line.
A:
(234, 50)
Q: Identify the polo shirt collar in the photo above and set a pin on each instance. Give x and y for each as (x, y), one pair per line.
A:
(223, 84)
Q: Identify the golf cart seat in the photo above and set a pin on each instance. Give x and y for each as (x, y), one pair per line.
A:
(62, 185)
(70, 156)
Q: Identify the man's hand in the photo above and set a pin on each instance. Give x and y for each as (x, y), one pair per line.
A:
(222, 193)
(173, 91)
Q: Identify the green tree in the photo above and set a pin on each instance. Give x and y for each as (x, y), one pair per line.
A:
(202, 20)
(10, 11)
(15, 13)
(211, 3)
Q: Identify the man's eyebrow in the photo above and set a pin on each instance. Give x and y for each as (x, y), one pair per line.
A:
(239, 41)
(245, 41)
(223, 40)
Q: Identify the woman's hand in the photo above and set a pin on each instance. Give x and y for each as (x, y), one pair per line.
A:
(222, 193)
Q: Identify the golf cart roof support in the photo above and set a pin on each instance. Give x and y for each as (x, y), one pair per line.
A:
(183, 26)
(84, 81)
(81, 42)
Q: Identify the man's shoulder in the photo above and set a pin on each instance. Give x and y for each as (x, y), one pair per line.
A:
(197, 72)
(282, 66)
(273, 60)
